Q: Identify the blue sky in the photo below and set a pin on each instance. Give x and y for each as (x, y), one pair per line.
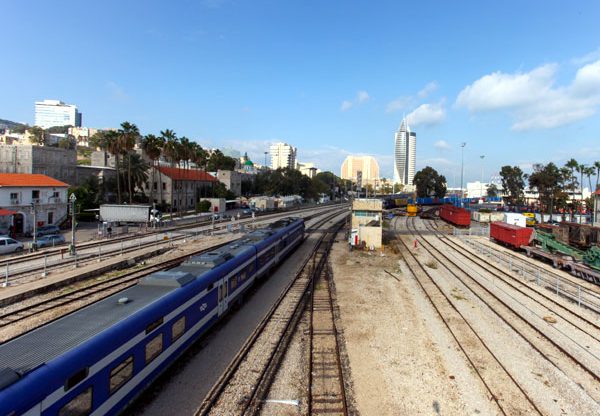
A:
(518, 81)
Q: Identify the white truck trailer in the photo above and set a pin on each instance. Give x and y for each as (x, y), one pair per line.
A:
(113, 213)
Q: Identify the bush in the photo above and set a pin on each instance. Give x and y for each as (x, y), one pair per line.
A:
(203, 206)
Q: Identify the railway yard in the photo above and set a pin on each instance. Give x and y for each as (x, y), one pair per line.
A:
(438, 322)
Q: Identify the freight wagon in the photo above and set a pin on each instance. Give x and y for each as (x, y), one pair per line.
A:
(456, 216)
(510, 235)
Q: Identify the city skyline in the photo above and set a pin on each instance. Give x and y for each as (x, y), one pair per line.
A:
(215, 72)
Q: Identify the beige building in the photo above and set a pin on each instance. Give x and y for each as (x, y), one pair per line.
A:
(283, 156)
(365, 164)
(182, 189)
(367, 223)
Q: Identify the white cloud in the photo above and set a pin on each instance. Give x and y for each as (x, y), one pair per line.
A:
(116, 91)
(427, 114)
(587, 58)
(532, 97)
(442, 145)
(361, 98)
(427, 89)
(405, 102)
(346, 105)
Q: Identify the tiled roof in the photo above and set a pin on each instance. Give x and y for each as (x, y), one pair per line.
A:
(179, 174)
(29, 179)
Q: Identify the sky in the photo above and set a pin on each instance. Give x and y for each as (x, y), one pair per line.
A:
(517, 81)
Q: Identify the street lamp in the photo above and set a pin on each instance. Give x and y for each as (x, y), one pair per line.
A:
(34, 244)
(462, 171)
(266, 153)
(72, 199)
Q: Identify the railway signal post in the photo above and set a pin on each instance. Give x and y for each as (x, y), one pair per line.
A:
(72, 199)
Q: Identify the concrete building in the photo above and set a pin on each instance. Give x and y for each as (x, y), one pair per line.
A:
(308, 168)
(29, 196)
(60, 164)
(367, 165)
(232, 180)
(283, 156)
(50, 113)
(477, 189)
(367, 223)
(82, 135)
(180, 188)
(596, 219)
(405, 156)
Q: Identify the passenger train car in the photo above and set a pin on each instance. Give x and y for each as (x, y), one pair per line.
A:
(97, 360)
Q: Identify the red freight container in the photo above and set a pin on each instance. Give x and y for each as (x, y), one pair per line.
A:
(511, 235)
(454, 215)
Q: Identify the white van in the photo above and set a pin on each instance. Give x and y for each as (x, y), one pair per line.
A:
(9, 245)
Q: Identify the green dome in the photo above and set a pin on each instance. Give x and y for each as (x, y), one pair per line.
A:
(248, 163)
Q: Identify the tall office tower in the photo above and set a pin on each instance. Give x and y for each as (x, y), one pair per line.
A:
(50, 113)
(405, 155)
(365, 164)
(283, 156)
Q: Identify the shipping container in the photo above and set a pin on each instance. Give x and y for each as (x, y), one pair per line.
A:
(510, 235)
(125, 213)
(455, 215)
(515, 219)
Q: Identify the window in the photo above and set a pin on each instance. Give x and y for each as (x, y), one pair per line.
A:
(35, 194)
(76, 378)
(121, 374)
(155, 186)
(154, 348)
(14, 195)
(81, 405)
(178, 328)
(164, 186)
(154, 325)
(233, 282)
(243, 275)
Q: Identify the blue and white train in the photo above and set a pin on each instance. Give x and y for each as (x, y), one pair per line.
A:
(97, 360)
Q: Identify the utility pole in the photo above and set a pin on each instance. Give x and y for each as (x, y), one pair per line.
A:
(34, 244)
(481, 157)
(72, 199)
(266, 153)
(462, 171)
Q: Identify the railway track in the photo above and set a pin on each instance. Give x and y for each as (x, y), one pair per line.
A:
(494, 376)
(326, 388)
(247, 380)
(21, 266)
(550, 340)
(98, 290)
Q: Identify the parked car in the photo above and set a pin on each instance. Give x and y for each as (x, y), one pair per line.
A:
(9, 245)
(247, 211)
(50, 240)
(47, 230)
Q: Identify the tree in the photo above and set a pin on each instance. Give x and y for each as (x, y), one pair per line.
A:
(137, 169)
(429, 183)
(597, 166)
(492, 191)
(547, 180)
(218, 161)
(152, 146)
(128, 136)
(513, 183)
(113, 145)
(38, 135)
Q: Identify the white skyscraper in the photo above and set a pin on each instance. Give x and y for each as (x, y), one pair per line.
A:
(50, 113)
(405, 155)
(283, 156)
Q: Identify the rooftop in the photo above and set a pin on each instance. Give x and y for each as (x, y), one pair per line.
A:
(29, 179)
(179, 174)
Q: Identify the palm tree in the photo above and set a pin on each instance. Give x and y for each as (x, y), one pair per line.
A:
(128, 135)
(113, 145)
(152, 145)
(138, 169)
(38, 135)
(597, 166)
(169, 151)
(185, 150)
(573, 166)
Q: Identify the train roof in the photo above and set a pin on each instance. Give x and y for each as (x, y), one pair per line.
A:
(41, 345)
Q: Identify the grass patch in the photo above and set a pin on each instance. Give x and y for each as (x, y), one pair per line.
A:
(432, 264)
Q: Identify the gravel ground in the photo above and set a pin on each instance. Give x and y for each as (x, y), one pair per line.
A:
(402, 359)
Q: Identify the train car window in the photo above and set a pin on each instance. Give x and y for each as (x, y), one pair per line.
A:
(243, 275)
(76, 378)
(154, 325)
(121, 374)
(81, 405)
(220, 293)
(250, 268)
(234, 282)
(178, 328)
(154, 348)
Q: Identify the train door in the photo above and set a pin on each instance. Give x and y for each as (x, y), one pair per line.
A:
(223, 295)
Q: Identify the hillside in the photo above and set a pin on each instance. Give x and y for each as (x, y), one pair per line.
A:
(12, 125)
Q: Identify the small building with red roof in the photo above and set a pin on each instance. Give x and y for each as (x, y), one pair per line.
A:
(180, 188)
(25, 196)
